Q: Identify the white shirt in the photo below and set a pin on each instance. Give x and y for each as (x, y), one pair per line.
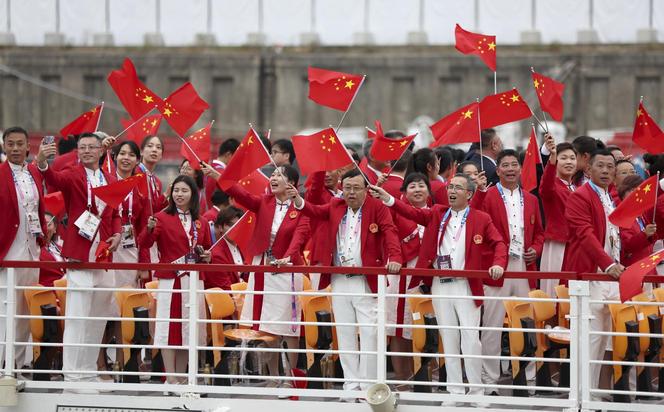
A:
(449, 246)
(235, 252)
(185, 219)
(96, 179)
(513, 201)
(612, 237)
(280, 210)
(27, 196)
(349, 239)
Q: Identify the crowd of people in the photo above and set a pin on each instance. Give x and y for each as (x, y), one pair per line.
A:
(440, 208)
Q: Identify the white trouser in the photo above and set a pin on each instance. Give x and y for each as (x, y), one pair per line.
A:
(494, 316)
(355, 309)
(459, 312)
(551, 261)
(85, 303)
(24, 277)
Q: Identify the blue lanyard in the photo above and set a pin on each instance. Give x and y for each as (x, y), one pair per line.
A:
(599, 194)
(642, 226)
(502, 194)
(441, 234)
(24, 202)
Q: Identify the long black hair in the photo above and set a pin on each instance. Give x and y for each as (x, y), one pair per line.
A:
(194, 202)
(420, 160)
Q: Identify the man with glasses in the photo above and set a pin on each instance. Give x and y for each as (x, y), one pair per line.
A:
(360, 233)
(90, 222)
(455, 238)
(22, 221)
(516, 214)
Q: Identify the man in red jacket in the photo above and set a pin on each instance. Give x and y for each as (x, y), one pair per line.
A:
(90, 222)
(594, 246)
(455, 238)
(22, 222)
(516, 215)
(358, 227)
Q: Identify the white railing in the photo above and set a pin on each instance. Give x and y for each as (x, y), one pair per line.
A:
(580, 394)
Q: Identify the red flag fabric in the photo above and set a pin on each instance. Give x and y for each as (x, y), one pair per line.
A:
(550, 95)
(103, 254)
(54, 203)
(631, 280)
(481, 45)
(335, 90)
(249, 156)
(458, 127)
(149, 126)
(633, 206)
(135, 96)
(320, 151)
(255, 183)
(182, 108)
(530, 162)
(113, 194)
(384, 149)
(502, 108)
(647, 133)
(370, 134)
(85, 123)
(242, 232)
(199, 142)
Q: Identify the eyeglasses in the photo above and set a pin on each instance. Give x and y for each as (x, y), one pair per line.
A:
(88, 148)
(353, 189)
(456, 188)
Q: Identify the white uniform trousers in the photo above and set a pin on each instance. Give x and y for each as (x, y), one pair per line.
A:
(552, 261)
(355, 309)
(85, 303)
(24, 277)
(494, 316)
(459, 312)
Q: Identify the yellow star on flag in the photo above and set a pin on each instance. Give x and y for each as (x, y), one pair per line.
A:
(167, 112)
(349, 84)
(514, 98)
(468, 114)
(148, 99)
(639, 113)
(646, 188)
(536, 83)
(492, 46)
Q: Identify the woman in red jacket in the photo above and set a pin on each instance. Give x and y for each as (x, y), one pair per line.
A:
(181, 236)
(555, 187)
(50, 252)
(426, 162)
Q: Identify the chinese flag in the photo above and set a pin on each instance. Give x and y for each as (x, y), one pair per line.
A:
(550, 95)
(646, 132)
(502, 108)
(631, 280)
(249, 156)
(85, 123)
(149, 126)
(54, 203)
(530, 162)
(335, 90)
(200, 144)
(242, 232)
(182, 108)
(385, 149)
(370, 134)
(103, 254)
(113, 194)
(135, 96)
(482, 45)
(461, 126)
(320, 151)
(633, 206)
(255, 183)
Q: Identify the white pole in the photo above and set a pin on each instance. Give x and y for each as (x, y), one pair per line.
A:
(10, 332)
(9, 16)
(312, 16)
(157, 16)
(107, 20)
(193, 328)
(421, 16)
(209, 16)
(260, 16)
(381, 361)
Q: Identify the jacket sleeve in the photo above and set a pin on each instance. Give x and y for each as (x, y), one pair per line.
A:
(421, 216)
(299, 240)
(315, 192)
(538, 240)
(146, 239)
(59, 180)
(246, 199)
(477, 202)
(632, 240)
(547, 186)
(321, 212)
(391, 235)
(579, 219)
(496, 242)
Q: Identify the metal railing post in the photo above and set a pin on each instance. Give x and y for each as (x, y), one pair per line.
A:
(381, 363)
(193, 328)
(10, 326)
(579, 292)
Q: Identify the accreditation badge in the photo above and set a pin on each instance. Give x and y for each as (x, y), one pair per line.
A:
(87, 225)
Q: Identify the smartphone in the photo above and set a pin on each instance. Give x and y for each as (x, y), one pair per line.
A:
(48, 140)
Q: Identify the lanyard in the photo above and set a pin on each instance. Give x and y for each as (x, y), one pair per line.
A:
(356, 230)
(19, 192)
(441, 233)
(89, 184)
(570, 186)
(502, 194)
(642, 226)
(193, 228)
(152, 181)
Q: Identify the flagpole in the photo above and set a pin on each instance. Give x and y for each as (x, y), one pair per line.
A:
(117, 136)
(357, 166)
(479, 129)
(495, 82)
(227, 232)
(631, 141)
(101, 109)
(189, 147)
(532, 70)
(396, 161)
(654, 211)
(350, 104)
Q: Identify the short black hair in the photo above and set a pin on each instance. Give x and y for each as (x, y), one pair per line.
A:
(228, 146)
(613, 147)
(601, 152)
(402, 163)
(352, 173)
(415, 177)
(505, 153)
(226, 216)
(194, 202)
(14, 129)
(67, 143)
(291, 174)
(462, 165)
(561, 147)
(631, 182)
(219, 197)
(587, 144)
(198, 174)
(458, 154)
(486, 136)
(420, 160)
(445, 156)
(285, 146)
(132, 146)
(622, 160)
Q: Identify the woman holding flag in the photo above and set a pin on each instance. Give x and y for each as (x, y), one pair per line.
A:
(227, 252)
(181, 236)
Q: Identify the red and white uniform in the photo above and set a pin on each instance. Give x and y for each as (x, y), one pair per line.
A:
(134, 217)
(225, 253)
(211, 185)
(463, 237)
(156, 202)
(50, 253)
(365, 237)
(279, 228)
(21, 203)
(176, 236)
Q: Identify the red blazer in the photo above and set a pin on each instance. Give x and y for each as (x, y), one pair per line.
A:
(317, 194)
(172, 240)
(554, 194)
(439, 193)
(47, 276)
(481, 237)
(139, 220)
(72, 183)
(533, 234)
(379, 239)
(393, 185)
(221, 254)
(294, 228)
(587, 229)
(634, 244)
(159, 201)
(211, 214)
(409, 238)
(9, 219)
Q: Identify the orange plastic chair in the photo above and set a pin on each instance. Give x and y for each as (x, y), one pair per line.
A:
(620, 315)
(516, 311)
(562, 292)
(239, 297)
(61, 294)
(127, 301)
(221, 306)
(35, 299)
